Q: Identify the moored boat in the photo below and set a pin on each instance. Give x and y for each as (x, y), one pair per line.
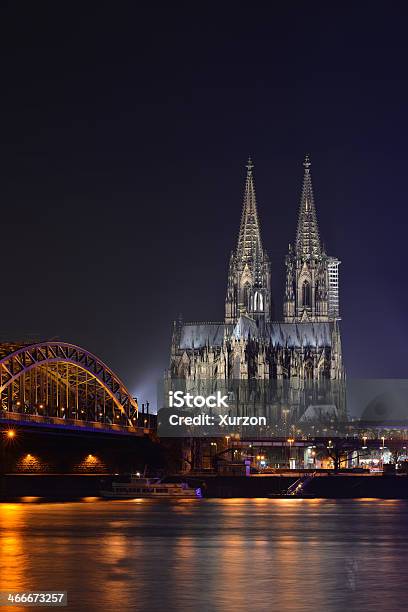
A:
(141, 487)
(298, 489)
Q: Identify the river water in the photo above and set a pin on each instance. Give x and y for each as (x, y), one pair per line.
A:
(211, 554)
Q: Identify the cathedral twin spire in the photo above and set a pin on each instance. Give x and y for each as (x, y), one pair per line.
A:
(249, 237)
(248, 291)
(311, 292)
(307, 236)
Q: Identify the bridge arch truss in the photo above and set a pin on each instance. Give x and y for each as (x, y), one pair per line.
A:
(62, 380)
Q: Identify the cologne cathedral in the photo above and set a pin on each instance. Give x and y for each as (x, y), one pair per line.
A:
(249, 345)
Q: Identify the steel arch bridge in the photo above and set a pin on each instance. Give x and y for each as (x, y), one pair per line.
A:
(62, 383)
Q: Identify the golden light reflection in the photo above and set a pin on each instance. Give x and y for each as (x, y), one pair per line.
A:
(229, 546)
(181, 508)
(287, 501)
(229, 569)
(118, 573)
(13, 557)
(185, 550)
(302, 500)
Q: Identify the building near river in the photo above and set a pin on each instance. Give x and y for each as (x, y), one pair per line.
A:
(299, 352)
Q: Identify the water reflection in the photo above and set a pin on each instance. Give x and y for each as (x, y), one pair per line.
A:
(13, 553)
(228, 555)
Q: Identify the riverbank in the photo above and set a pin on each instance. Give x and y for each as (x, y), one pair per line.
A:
(325, 486)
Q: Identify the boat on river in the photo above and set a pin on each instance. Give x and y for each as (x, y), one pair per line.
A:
(142, 487)
(298, 489)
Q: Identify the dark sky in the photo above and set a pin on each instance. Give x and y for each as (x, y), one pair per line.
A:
(125, 128)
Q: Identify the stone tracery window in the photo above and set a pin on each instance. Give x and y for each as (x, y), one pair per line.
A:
(306, 297)
(308, 370)
(247, 297)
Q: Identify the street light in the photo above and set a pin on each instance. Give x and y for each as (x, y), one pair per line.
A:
(9, 434)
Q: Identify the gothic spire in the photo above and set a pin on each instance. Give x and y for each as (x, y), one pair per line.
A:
(249, 237)
(307, 238)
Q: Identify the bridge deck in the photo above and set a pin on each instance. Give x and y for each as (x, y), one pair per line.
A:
(31, 420)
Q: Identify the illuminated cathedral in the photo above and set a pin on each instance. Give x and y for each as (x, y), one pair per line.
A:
(249, 345)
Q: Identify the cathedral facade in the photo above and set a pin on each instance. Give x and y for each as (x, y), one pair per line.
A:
(249, 345)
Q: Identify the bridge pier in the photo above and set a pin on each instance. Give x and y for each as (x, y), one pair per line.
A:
(42, 451)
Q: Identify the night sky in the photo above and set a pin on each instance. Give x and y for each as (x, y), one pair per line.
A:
(125, 128)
